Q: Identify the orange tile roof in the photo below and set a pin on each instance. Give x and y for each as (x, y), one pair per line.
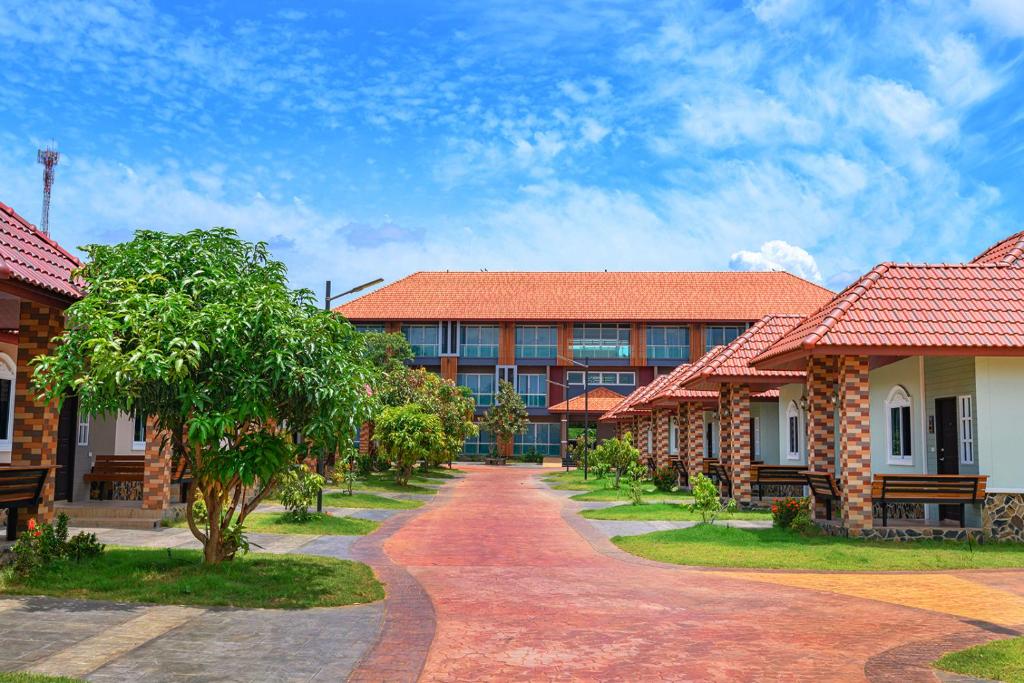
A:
(673, 390)
(588, 296)
(731, 364)
(625, 406)
(600, 400)
(1008, 252)
(33, 258)
(905, 309)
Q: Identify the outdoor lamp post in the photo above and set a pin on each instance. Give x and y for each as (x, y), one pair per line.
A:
(328, 298)
(586, 409)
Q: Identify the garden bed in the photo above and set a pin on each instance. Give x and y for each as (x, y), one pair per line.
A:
(316, 525)
(25, 677)
(1000, 660)
(179, 577)
(665, 512)
(721, 546)
(368, 500)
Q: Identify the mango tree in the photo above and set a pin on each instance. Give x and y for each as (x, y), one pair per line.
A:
(508, 417)
(201, 333)
(407, 434)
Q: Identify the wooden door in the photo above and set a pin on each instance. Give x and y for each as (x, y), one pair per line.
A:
(67, 427)
(946, 448)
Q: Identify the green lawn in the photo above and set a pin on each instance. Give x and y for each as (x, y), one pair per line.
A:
(665, 512)
(318, 525)
(600, 489)
(368, 500)
(22, 677)
(651, 495)
(1000, 660)
(385, 481)
(178, 577)
(717, 546)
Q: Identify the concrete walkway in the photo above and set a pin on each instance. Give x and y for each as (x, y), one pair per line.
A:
(523, 588)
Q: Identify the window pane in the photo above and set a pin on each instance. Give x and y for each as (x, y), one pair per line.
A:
(5, 409)
(905, 411)
(895, 447)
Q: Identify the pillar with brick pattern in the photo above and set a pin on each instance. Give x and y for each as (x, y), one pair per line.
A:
(365, 438)
(34, 438)
(156, 472)
(821, 381)
(694, 440)
(739, 442)
(661, 437)
(855, 443)
(724, 423)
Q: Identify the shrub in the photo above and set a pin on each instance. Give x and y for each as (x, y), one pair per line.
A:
(532, 456)
(707, 501)
(297, 489)
(618, 454)
(635, 476)
(601, 470)
(45, 543)
(784, 511)
(664, 478)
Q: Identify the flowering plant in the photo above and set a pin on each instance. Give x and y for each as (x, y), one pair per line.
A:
(785, 510)
(46, 543)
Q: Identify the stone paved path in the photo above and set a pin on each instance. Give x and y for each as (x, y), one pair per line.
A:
(525, 589)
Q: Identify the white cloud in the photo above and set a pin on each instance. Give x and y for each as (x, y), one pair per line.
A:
(737, 115)
(778, 255)
(592, 131)
(958, 74)
(904, 111)
(779, 11)
(1004, 16)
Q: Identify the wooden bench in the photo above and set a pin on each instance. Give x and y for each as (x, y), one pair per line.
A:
(823, 486)
(718, 473)
(20, 487)
(945, 489)
(112, 468)
(777, 475)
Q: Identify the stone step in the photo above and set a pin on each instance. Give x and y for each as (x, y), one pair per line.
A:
(114, 523)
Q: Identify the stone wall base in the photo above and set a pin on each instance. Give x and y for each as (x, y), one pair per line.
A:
(880, 533)
(900, 510)
(1003, 516)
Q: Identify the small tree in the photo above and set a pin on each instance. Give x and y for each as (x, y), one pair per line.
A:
(635, 476)
(508, 417)
(618, 454)
(707, 501)
(408, 434)
(454, 406)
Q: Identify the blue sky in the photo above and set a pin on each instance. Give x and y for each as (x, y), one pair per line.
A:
(369, 139)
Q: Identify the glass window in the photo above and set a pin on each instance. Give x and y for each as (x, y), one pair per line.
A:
(481, 444)
(478, 341)
(671, 342)
(600, 340)
(793, 421)
(533, 389)
(673, 436)
(540, 437)
(536, 341)
(424, 339)
(481, 384)
(898, 427)
(966, 430)
(596, 379)
(369, 327)
(83, 429)
(717, 335)
(139, 433)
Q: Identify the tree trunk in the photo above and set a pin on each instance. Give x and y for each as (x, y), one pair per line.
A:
(618, 476)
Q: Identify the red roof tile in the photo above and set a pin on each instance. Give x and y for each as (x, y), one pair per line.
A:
(600, 400)
(901, 309)
(32, 258)
(625, 406)
(1008, 252)
(731, 364)
(600, 296)
(674, 390)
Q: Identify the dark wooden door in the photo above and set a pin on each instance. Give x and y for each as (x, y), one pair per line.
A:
(946, 451)
(66, 438)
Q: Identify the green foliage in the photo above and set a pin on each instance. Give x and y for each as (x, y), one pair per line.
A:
(601, 470)
(707, 501)
(664, 478)
(453, 405)
(533, 456)
(43, 544)
(201, 332)
(297, 488)
(635, 476)
(785, 511)
(618, 454)
(387, 353)
(408, 434)
(508, 417)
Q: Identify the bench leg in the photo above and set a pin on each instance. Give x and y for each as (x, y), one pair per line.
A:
(963, 512)
(885, 514)
(828, 509)
(12, 524)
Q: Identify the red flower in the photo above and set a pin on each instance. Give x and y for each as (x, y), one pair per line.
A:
(32, 524)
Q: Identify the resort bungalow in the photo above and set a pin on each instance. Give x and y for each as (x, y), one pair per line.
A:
(914, 392)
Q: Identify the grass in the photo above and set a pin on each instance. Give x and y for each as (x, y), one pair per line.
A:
(665, 512)
(1000, 660)
(178, 577)
(385, 481)
(24, 677)
(368, 500)
(651, 495)
(317, 525)
(600, 489)
(717, 546)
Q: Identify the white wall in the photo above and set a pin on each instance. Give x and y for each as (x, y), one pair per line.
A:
(906, 373)
(1000, 414)
(767, 414)
(789, 393)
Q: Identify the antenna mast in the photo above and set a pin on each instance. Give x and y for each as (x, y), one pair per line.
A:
(49, 158)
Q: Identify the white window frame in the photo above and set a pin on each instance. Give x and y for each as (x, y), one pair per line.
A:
(84, 424)
(597, 377)
(965, 413)
(475, 349)
(526, 341)
(793, 413)
(756, 436)
(9, 371)
(898, 399)
(673, 435)
(650, 439)
(462, 377)
(139, 445)
(541, 392)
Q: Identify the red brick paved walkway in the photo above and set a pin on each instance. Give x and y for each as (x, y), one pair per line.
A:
(520, 594)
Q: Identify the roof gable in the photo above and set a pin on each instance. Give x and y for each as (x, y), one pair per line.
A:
(1007, 252)
(732, 363)
(34, 259)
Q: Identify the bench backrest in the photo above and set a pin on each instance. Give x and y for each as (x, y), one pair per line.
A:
(822, 484)
(119, 464)
(929, 487)
(768, 473)
(21, 486)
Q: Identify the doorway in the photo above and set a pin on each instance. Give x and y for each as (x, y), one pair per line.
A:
(946, 451)
(67, 425)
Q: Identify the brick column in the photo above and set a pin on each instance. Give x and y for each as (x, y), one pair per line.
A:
(661, 437)
(821, 381)
(694, 440)
(855, 443)
(724, 423)
(365, 438)
(739, 431)
(34, 438)
(641, 436)
(156, 473)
